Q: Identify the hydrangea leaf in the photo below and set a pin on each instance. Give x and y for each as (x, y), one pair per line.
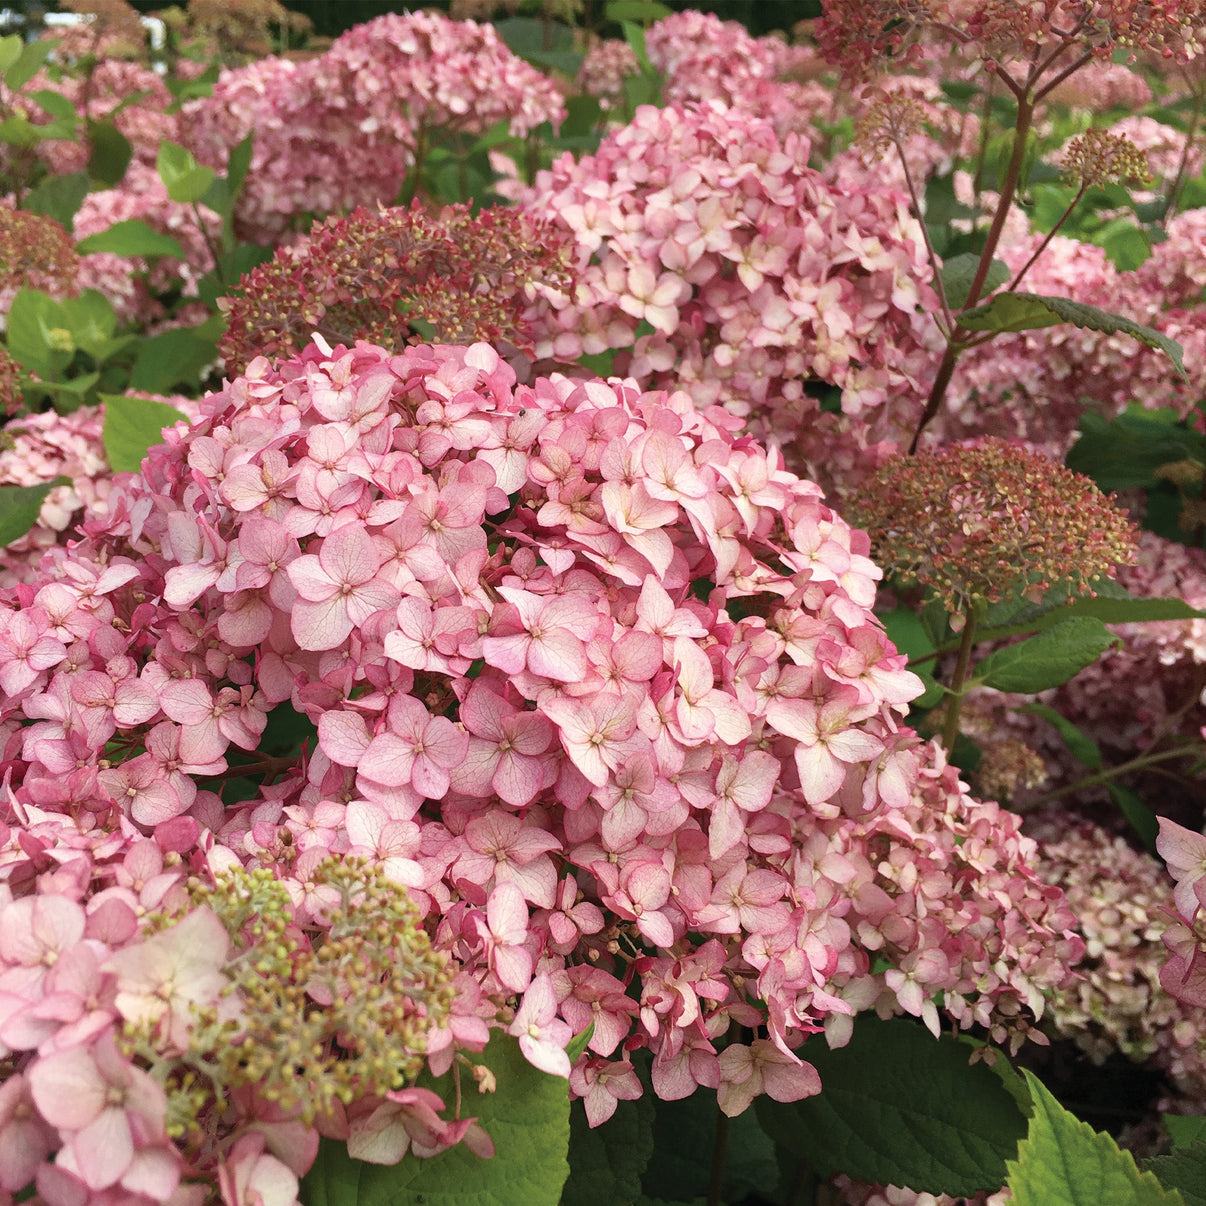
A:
(175, 358)
(184, 178)
(131, 237)
(59, 197)
(1142, 819)
(1184, 1130)
(132, 425)
(1064, 1162)
(899, 1107)
(645, 11)
(19, 507)
(1080, 745)
(1183, 1170)
(1047, 660)
(111, 153)
(907, 632)
(27, 63)
(37, 333)
(1028, 311)
(1128, 450)
(960, 270)
(528, 1120)
(606, 1162)
(10, 51)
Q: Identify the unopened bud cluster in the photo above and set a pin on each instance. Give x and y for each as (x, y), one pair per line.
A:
(1098, 157)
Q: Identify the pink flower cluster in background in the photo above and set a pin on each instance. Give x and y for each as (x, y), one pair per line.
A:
(733, 270)
(342, 130)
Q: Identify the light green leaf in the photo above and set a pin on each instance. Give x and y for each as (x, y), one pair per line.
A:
(36, 324)
(1047, 660)
(1064, 1162)
(131, 237)
(1028, 311)
(1080, 745)
(90, 317)
(19, 507)
(31, 58)
(186, 181)
(132, 425)
(21, 132)
(55, 103)
(960, 270)
(10, 51)
(59, 197)
(1184, 1170)
(899, 1107)
(528, 1120)
(906, 631)
(1142, 819)
(606, 1162)
(579, 1043)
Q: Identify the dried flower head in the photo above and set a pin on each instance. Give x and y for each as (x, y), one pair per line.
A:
(890, 119)
(977, 522)
(396, 276)
(1098, 157)
(35, 252)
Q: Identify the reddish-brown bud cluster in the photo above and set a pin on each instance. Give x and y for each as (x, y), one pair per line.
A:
(35, 253)
(399, 276)
(11, 397)
(977, 522)
(891, 118)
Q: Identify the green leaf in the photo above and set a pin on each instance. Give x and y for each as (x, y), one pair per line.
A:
(682, 1130)
(528, 1120)
(1125, 452)
(234, 265)
(1047, 660)
(634, 35)
(10, 51)
(186, 181)
(111, 153)
(132, 425)
(91, 319)
(1184, 1130)
(33, 322)
(31, 58)
(643, 11)
(1184, 1170)
(1064, 1162)
(175, 358)
(906, 631)
(1028, 311)
(1128, 246)
(55, 103)
(1142, 819)
(58, 197)
(958, 273)
(579, 1042)
(131, 237)
(899, 1107)
(1080, 745)
(19, 507)
(21, 132)
(606, 1162)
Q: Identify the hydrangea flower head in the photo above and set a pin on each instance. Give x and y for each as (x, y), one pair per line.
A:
(976, 522)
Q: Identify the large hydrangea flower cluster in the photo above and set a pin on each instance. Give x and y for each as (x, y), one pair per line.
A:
(341, 130)
(593, 678)
(730, 268)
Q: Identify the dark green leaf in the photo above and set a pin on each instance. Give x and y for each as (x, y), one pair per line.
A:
(132, 425)
(606, 1162)
(1185, 1130)
(1080, 745)
(1128, 247)
(1125, 452)
(19, 507)
(186, 181)
(634, 35)
(528, 1120)
(235, 265)
(1028, 311)
(526, 36)
(1142, 819)
(28, 63)
(36, 330)
(958, 273)
(59, 197)
(111, 153)
(131, 237)
(899, 1107)
(644, 11)
(1183, 1170)
(906, 631)
(1064, 1162)
(1047, 660)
